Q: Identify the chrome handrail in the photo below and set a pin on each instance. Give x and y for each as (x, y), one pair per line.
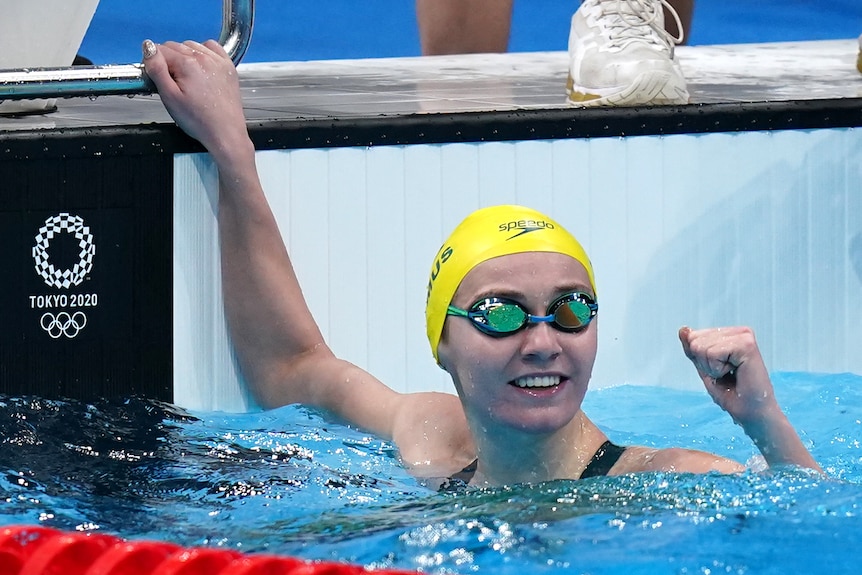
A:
(24, 83)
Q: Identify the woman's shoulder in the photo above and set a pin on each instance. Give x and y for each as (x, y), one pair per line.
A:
(432, 435)
(638, 459)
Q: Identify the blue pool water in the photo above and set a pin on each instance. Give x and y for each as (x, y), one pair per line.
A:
(335, 29)
(289, 482)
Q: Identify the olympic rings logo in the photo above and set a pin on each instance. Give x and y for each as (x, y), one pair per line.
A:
(61, 223)
(63, 323)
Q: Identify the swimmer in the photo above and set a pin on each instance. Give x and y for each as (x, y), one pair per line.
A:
(519, 345)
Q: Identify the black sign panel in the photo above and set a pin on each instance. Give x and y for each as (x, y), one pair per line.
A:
(85, 247)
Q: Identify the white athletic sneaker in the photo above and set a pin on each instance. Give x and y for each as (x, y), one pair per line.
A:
(621, 55)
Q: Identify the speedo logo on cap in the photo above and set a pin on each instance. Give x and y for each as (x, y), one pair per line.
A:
(522, 227)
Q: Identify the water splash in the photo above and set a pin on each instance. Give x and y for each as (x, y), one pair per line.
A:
(287, 481)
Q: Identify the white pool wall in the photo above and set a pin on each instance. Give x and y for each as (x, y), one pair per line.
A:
(753, 228)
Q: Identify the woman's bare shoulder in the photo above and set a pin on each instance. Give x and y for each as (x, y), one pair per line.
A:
(637, 459)
(432, 435)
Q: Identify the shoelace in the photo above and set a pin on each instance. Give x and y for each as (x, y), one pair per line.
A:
(638, 21)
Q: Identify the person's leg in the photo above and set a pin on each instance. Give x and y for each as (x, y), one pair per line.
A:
(685, 9)
(463, 26)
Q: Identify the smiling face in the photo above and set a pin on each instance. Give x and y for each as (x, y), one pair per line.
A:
(531, 381)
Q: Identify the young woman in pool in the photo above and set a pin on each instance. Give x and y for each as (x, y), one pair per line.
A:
(519, 345)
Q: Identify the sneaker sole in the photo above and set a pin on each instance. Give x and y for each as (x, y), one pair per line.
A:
(649, 88)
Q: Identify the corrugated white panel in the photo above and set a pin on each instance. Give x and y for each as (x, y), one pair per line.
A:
(534, 169)
(424, 211)
(607, 183)
(348, 212)
(499, 182)
(759, 228)
(306, 226)
(386, 253)
(205, 371)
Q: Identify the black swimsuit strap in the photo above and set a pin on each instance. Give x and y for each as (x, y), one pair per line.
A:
(467, 473)
(604, 458)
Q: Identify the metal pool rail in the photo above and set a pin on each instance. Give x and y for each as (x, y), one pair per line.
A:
(237, 24)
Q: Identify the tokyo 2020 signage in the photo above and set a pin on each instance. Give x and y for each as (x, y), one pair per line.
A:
(62, 315)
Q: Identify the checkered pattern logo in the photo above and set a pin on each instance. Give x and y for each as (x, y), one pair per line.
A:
(64, 223)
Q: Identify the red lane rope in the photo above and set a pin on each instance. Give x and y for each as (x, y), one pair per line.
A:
(38, 550)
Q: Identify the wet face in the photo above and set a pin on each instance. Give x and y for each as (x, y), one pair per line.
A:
(535, 379)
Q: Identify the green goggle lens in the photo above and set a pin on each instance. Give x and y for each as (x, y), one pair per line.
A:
(499, 316)
(506, 317)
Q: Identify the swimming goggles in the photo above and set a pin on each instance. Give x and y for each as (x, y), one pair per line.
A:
(499, 316)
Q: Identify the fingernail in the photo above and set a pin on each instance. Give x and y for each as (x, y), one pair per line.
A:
(149, 49)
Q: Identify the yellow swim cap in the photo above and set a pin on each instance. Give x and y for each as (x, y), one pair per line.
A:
(486, 234)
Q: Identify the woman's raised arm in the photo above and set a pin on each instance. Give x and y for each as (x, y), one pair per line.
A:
(728, 361)
(282, 353)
